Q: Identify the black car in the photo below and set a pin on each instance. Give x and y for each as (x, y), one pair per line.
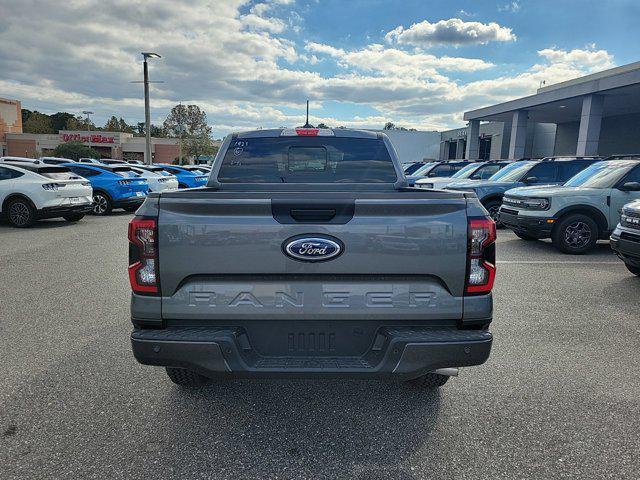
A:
(625, 239)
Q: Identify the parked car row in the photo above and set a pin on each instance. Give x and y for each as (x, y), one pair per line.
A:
(52, 187)
(574, 201)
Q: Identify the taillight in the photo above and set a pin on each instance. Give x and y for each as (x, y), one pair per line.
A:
(481, 256)
(143, 256)
(307, 132)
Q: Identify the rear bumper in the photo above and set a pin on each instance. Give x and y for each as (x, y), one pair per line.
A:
(403, 353)
(626, 244)
(53, 212)
(535, 226)
(128, 202)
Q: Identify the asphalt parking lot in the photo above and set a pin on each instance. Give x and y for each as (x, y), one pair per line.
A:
(559, 397)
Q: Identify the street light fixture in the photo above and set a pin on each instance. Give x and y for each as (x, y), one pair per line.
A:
(147, 113)
(87, 113)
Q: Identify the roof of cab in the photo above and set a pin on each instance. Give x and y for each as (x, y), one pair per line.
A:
(337, 132)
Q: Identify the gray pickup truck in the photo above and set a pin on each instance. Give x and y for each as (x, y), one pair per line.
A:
(307, 256)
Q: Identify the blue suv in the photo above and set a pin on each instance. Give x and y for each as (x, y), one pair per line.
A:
(546, 171)
(113, 186)
(186, 178)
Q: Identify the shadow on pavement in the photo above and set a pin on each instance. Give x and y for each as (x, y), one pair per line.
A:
(356, 429)
(545, 246)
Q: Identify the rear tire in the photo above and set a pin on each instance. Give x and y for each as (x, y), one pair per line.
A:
(185, 377)
(633, 269)
(524, 236)
(493, 207)
(575, 234)
(428, 381)
(21, 213)
(101, 204)
(74, 217)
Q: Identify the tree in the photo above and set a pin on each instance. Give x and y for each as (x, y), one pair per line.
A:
(112, 124)
(117, 125)
(186, 121)
(79, 123)
(59, 120)
(38, 123)
(322, 125)
(389, 126)
(189, 123)
(25, 115)
(75, 151)
(200, 146)
(156, 131)
(124, 127)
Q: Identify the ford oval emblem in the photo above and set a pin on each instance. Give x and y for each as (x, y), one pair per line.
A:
(312, 248)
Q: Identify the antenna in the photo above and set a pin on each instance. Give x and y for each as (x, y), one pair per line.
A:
(306, 125)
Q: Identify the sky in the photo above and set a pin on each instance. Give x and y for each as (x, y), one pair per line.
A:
(253, 64)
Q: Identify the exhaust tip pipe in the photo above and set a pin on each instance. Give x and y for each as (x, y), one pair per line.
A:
(449, 372)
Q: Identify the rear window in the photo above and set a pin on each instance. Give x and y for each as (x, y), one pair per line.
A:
(125, 172)
(307, 160)
(57, 173)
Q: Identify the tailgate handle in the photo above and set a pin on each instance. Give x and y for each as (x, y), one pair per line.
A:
(312, 214)
(312, 210)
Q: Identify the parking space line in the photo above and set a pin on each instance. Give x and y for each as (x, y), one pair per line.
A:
(559, 262)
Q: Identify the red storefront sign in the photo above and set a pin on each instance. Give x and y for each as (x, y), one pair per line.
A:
(88, 138)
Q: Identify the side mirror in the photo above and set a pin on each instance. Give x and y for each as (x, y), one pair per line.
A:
(631, 187)
(530, 180)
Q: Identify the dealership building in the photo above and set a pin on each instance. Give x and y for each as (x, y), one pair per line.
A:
(598, 114)
(107, 144)
(10, 121)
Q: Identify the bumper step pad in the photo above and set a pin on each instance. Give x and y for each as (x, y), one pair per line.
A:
(396, 352)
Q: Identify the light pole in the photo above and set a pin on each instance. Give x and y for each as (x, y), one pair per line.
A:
(87, 113)
(147, 113)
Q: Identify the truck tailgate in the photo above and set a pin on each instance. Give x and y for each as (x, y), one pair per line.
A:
(221, 256)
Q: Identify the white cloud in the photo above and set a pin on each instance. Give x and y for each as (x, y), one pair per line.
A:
(512, 7)
(559, 66)
(392, 61)
(242, 71)
(256, 22)
(326, 49)
(453, 31)
(588, 59)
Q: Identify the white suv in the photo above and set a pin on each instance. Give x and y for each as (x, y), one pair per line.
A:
(55, 160)
(29, 192)
(19, 160)
(92, 161)
(159, 180)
